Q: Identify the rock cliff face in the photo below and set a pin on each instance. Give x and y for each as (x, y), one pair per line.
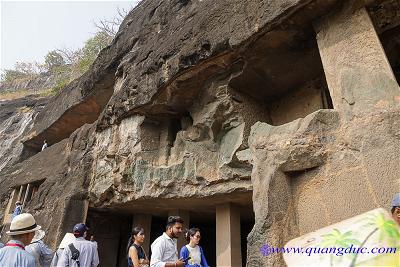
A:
(38, 83)
(320, 170)
(196, 104)
(16, 119)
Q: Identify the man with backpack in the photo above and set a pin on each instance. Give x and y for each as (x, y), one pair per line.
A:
(80, 253)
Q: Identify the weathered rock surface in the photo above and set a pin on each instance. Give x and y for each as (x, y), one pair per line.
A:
(317, 171)
(16, 118)
(34, 84)
(151, 158)
(204, 103)
(62, 170)
(168, 69)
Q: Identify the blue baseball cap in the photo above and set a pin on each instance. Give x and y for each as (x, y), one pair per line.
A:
(80, 229)
(396, 200)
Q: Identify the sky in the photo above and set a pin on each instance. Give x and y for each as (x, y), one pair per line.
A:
(30, 29)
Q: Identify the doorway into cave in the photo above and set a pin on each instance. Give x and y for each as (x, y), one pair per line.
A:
(111, 231)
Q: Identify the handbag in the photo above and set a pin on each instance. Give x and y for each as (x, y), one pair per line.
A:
(74, 254)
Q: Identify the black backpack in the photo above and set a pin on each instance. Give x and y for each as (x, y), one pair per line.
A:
(74, 254)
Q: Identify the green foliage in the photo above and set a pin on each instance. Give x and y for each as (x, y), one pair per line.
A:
(60, 85)
(338, 239)
(53, 59)
(21, 70)
(91, 49)
(11, 75)
(62, 70)
(79, 62)
(84, 64)
(83, 59)
(94, 45)
(387, 228)
(27, 68)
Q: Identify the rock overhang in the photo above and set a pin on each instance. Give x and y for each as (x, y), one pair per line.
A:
(151, 61)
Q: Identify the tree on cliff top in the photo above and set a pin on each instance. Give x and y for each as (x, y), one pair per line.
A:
(53, 60)
(91, 49)
(22, 70)
(67, 64)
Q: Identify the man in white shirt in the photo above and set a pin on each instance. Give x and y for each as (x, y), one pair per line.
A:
(88, 255)
(44, 145)
(68, 239)
(164, 249)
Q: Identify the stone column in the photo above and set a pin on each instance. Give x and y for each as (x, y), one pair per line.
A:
(34, 190)
(10, 207)
(359, 76)
(21, 189)
(144, 221)
(228, 236)
(28, 187)
(85, 210)
(184, 214)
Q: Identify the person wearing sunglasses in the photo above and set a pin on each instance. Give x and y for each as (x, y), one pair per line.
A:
(192, 251)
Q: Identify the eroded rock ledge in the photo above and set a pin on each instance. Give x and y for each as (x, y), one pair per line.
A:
(208, 105)
(167, 73)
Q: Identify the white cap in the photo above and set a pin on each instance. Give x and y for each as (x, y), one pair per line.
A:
(68, 239)
(39, 235)
(396, 200)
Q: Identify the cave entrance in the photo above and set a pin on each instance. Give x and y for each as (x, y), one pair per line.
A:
(224, 232)
(111, 232)
(205, 221)
(247, 221)
(224, 226)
